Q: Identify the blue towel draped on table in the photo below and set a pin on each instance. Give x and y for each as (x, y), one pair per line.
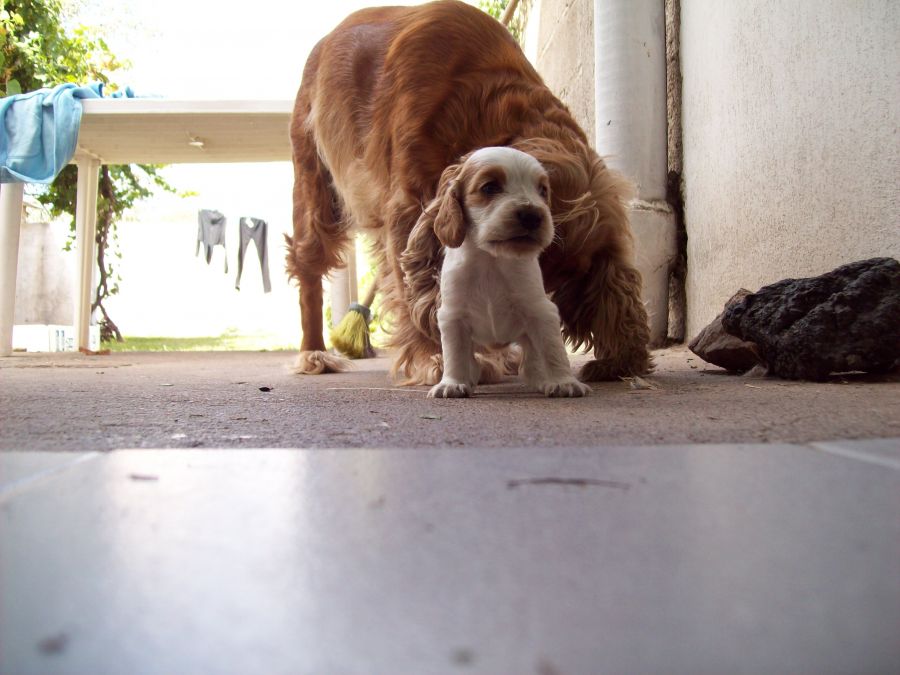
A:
(39, 131)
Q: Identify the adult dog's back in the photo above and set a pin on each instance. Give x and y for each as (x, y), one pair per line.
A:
(389, 100)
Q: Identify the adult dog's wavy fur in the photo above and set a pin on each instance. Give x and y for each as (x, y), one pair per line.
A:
(389, 102)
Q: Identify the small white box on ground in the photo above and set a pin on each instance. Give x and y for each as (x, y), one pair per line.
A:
(54, 338)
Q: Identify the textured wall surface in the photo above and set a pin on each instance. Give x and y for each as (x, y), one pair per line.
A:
(564, 54)
(45, 275)
(791, 147)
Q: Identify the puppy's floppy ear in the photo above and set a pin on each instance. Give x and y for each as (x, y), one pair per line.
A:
(450, 222)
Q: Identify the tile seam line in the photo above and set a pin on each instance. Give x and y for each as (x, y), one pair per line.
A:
(855, 455)
(28, 482)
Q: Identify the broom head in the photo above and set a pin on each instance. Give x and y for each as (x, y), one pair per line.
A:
(351, 335)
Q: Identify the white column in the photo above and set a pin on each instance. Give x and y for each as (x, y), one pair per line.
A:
(630, 51)
(86, 246)
(630, 67)
(10, 224)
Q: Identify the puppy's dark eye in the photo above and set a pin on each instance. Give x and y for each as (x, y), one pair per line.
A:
(491, 188)
(543, 192)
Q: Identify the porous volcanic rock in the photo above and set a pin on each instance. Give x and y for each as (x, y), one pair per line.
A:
(845, 320)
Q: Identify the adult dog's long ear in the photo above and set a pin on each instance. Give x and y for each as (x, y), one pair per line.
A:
(442, 223)
(450, 222)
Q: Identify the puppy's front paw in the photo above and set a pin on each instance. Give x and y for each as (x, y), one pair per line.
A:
(565, 389)
(450, 390)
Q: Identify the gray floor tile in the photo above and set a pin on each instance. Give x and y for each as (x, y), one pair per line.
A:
(880, 451)
(19, 470)
(738, 559)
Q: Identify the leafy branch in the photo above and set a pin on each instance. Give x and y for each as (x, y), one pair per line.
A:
(517, 24)
(119, 188)
(38, 50)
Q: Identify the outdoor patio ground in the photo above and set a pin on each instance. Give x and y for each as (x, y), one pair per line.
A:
(711, 524)
(73, 402)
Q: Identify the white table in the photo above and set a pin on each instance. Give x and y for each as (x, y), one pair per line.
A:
(140, 131)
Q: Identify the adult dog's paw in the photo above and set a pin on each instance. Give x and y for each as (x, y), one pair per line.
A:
(450, 390)
(316, 363)
(565, 389)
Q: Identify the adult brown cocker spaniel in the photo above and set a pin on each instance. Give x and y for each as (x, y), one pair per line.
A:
(390, 100)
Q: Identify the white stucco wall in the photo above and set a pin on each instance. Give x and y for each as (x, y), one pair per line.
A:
(45, 274)
(560, 43)
(791, 147)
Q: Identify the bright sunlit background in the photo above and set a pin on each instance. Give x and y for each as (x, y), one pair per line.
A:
(210, 49)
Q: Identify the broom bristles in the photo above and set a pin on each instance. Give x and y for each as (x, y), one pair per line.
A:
(351, 335)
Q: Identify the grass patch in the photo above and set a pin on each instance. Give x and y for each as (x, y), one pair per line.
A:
(226, 342)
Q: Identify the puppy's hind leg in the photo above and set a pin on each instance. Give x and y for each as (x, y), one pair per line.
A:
(496, 363)
(317, 245)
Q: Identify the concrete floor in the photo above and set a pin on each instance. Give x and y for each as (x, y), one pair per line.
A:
(72, 402)
(635, 531)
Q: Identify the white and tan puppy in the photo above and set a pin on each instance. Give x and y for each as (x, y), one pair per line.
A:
(493, 218)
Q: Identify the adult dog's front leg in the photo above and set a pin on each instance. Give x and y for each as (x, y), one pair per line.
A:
(546, 365)
(317, 245)
(603, 310)
(313, 359)
(460, 367)
(621, 331)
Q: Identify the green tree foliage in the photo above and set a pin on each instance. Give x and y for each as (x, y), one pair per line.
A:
(517, 24)
(39, 49)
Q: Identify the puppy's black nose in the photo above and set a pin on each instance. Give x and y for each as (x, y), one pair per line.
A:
(529, 218)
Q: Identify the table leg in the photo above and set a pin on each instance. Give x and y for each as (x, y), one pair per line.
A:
(86, 246)
(10, 225)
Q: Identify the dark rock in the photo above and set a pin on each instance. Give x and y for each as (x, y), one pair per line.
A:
(714, 345)
(845, 320)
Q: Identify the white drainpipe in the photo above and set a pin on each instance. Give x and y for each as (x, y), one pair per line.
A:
(630, 73)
